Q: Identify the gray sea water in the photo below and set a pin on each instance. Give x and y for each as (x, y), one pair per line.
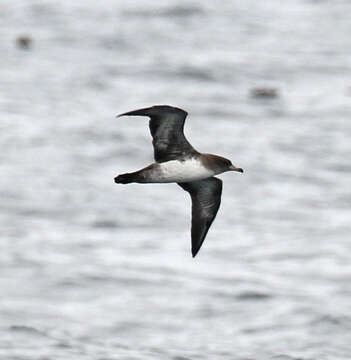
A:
(92, 270)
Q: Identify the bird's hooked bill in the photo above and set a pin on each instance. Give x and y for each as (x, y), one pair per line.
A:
(234, 168)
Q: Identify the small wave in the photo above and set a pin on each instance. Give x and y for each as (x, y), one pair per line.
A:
(185, 72)
(332, 320)
(26, 329)
(175, 11)
(105, 224)
(195, 73)
(253, 295)
(182, 11)
(285, 357)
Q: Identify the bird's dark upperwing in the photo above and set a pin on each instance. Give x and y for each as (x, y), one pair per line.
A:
(206, 199)
(166, 127)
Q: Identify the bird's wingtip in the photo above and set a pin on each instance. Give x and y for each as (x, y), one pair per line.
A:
(155, 110)
(194, 252)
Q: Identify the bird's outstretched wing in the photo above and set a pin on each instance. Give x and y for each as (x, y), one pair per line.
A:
(206, 199)
(166, 127)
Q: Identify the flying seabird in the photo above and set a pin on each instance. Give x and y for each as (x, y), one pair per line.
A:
(177, 161)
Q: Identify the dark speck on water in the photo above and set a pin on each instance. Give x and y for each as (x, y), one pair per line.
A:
(264, 93)
(24, 42)
(92, 270)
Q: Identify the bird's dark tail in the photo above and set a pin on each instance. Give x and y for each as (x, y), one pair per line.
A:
(126, 178)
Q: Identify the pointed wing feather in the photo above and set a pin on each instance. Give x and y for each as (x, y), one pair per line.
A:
(206, 199)
(166, 127)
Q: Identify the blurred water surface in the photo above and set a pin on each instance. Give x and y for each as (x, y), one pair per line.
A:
(92, 270)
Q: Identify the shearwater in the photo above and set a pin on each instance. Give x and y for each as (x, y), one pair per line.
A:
(177, 161)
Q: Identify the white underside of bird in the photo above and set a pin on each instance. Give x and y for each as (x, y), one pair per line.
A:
(182, 171)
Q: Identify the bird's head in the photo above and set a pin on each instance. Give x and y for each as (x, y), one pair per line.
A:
(219, 164)
(227, 165)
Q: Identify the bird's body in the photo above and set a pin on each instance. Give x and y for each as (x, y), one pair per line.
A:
(177, 161)
(178, 171)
